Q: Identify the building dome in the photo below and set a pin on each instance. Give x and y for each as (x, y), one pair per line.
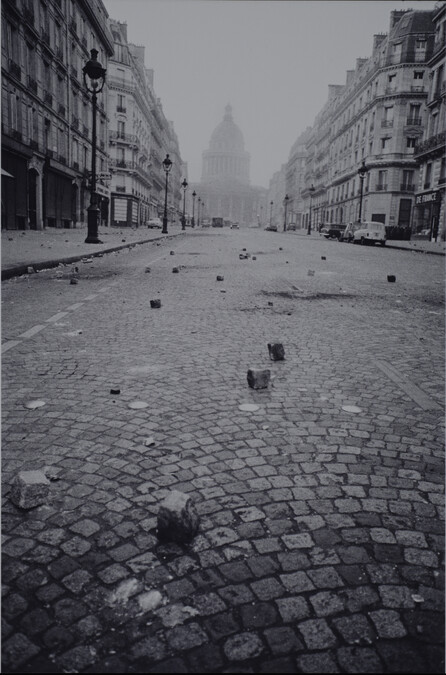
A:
(227, 137)
(226, 158)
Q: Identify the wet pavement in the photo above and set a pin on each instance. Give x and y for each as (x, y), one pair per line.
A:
(321, 541)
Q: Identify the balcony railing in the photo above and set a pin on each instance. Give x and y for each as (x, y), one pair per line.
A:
(432, 143)
(426, 185)
(76, 166)
(381, 187)
(121, 109)
(33, 144)
(74, 122)
(122, 164)
(391, 90)
(414, 121)
(417, 88)
(387, 123)
(121, 137)
(405, 187)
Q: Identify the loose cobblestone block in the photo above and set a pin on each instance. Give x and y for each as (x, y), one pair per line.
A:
(74, 281)
(172, 253)
(30, 489)
(276, 351)
(258, 379)
(220, 278)
(155, 304)
(391, 277)
(178, 519)
(243, 646)
(175, 270)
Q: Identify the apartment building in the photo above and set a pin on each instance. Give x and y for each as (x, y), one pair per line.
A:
(140, 137)
(376, 117)
(47, 112)
(430, 213)
(295, 181)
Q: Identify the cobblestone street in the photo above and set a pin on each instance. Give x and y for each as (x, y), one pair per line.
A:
(321, 540)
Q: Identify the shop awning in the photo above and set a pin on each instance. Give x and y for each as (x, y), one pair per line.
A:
(6, 173)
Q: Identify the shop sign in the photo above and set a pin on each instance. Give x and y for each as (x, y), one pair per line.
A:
(103, 191)
(428, 197)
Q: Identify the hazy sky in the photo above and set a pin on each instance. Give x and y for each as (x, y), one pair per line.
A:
(272, 60)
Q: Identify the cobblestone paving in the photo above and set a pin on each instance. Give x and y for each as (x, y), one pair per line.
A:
(321, 543)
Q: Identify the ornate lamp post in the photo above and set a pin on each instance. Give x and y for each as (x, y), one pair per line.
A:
(184, 185)
(198, 211)
(311, 190)
(361, 173)
(286, 204)
(94, 80)
(202, 211)
(271, 213)
(194, 194)
(167, 165)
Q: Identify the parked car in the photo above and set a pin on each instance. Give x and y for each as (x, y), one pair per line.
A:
(155, 222)
(370, 232)
(333, 231)
(271, 228)
(347, 234)
(217, 222)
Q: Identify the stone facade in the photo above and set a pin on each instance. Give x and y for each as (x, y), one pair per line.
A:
(46, 112)
(139, 139)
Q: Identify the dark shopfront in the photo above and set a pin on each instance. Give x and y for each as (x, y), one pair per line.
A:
(427, 213)
(14, 213)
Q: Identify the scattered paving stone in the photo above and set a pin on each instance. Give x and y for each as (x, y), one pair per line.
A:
(115, 391)
(74, 281)
(243, 646)
(276, 351)
(147, 270)
(172, 253)
(323, 257)
(220, 278)
(351, 408)
(310, 273)
(391, 277)
(155, 304)
(178, 519)
(138, 405)
(31, 270)
(258, 378)
(30, 489)
(31, 405)
(248, 407)
(149, 441)
(175, 270)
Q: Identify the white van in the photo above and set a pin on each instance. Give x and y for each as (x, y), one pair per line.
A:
(370, 232)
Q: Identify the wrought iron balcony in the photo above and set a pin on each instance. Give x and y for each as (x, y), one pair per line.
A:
(414, 121)
(431, 144)
(121, 137)
(15, 69)
(381, 187)
(387, 123)
(121, 109)
(417, 88)
(405, 187)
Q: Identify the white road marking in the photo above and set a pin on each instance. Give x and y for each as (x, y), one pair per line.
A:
(9, 345)
(32, 331)
(75, 306)
(56, 317)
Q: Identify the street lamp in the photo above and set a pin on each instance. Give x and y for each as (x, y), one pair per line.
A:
(361, 172)
(184, 186)
(194, 194)
(286, 204)
(198, 211)
(311, 190)
(94, 80)
(271, 214)
(167, 165)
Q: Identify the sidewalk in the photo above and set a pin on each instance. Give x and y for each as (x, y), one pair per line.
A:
(47, 248)
(417, 245)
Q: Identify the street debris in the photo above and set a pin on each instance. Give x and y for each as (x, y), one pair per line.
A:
(270, 304)
(310, 273)
(258, 378)
(175, 270)
(417, 598)
(74, 281)
(351, 408)
(31, 270)
(155, 304)
(276, 351)
(248, 407)
(115, 391)
(220, 278)
(323, 257)
(177, 519)
(31, 405)
(391, 277)
(147, 269)
(29, 489)
(124, 591)
(150, 600)
(172, 253)
(149, 441)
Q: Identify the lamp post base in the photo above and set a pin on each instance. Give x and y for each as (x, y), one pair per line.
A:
(164, 230)
(92, 224)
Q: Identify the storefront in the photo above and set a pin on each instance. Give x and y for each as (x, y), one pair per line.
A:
(427, 214)
(15, 190)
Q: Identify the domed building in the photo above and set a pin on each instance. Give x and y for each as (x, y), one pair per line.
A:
(225, 186)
